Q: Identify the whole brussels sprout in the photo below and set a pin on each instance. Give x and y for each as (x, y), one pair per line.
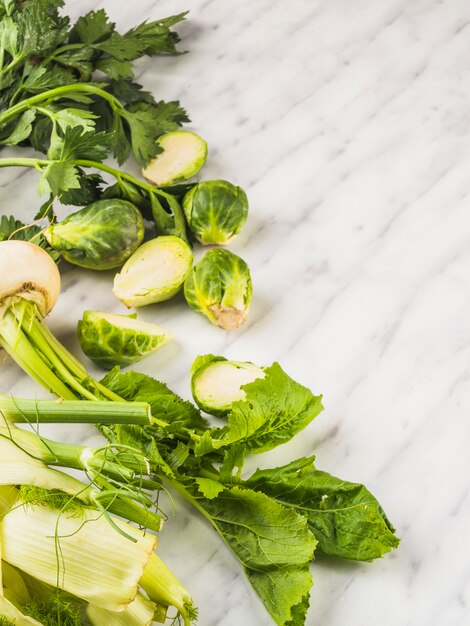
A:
(155, 272)
(101, 236)
(183, 154)
(219, 287)
(109, 339)
(216, 383)
(215, 211)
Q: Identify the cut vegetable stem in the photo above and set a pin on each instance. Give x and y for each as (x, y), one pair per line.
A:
(73, 412)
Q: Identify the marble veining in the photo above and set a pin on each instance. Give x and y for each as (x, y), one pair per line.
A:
(348, 123)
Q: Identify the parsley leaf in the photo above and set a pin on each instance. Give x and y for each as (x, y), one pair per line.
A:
(39, 79)
(58, 176)
(77, 143)
(21, 129)
(345, 517)
(148, 121)
(41, 27)
(11, 228)
(89, 190)
(155, 37)
(129, 91)
(92, 27)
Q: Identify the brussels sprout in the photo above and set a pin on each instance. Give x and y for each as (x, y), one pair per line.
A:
(110, 339)
(184, 153)
(216, 383)
(215, 211)
(155, 272)
(219, 287)
(101, 236)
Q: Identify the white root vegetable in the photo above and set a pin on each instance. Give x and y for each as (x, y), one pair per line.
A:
(27, 272)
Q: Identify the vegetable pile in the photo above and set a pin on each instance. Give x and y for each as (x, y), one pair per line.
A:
(77, 551)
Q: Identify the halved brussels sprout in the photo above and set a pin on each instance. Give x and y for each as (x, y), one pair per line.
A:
(219, 287)
(184, 153)
(155, 272)
(101, 236)
(215, 211)
(110, 339)
(216, 383)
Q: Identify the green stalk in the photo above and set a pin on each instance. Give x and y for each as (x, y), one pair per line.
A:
(118, 175)
(161, 216)
(163, 588)
(91, 460)
(54, 94)
(73, 411)
(62, 364)
(16, 343)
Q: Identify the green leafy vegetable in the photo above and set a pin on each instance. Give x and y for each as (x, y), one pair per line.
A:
(346, 519)
(68, 91)
(154, 273)
(275, 409)
(165, 404)
(111, 340)
(180, 156)
(219, 287)
(272, 543)
(215, 211)
(216, 382)
(101, 236)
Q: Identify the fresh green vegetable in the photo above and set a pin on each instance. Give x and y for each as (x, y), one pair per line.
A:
(345, 518)
(85, 553)
(24, 461)
(101, 236)
(181, 156)
(274, 520)
(63, 174)
(217, 383)
(110, 339)
(269, 411)
(219, 287)
(105, 569)
(215, 211)
(49, 99)
(45, 56)
(154, 273)
(140, 612)
(272, 535)
(19, 410)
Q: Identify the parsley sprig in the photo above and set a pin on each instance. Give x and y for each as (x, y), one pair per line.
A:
(68, 91)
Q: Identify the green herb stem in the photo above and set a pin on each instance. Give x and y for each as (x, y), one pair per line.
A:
(118, 175)
(59, 92)
(73, 411)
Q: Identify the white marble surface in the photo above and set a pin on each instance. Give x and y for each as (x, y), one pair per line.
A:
(348, 123)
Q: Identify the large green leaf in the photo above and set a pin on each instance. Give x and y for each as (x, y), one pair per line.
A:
(165, 405)
(275, 409)
(345, 517)
(273, 544)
